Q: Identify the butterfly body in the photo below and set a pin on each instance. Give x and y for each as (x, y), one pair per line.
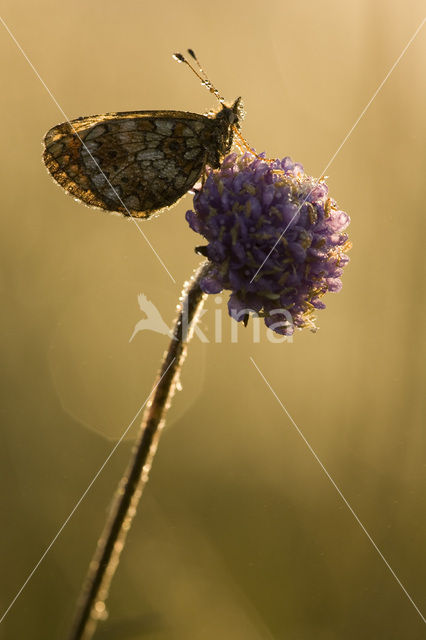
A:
(137, 162)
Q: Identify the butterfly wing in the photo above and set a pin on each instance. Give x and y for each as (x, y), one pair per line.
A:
(134, 163)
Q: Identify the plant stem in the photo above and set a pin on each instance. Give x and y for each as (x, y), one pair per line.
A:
(91, 604)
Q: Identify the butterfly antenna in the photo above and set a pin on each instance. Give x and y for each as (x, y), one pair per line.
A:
(209, 84)
(200, 73)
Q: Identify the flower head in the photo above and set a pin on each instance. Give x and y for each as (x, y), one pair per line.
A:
(275, 239)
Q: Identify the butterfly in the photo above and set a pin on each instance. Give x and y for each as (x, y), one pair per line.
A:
(139, 162)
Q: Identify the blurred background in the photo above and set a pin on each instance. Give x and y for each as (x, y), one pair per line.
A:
(239, 535)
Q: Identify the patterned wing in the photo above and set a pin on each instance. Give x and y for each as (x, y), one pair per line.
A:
(133, 163)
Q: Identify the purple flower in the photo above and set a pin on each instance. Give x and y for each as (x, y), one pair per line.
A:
(275, 239)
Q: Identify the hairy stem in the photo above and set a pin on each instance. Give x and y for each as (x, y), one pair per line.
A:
(91, 604)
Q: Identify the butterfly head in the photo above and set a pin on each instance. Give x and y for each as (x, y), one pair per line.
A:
(232, 115)
(226, 123)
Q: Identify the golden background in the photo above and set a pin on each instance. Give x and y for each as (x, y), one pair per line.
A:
(240, 535)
